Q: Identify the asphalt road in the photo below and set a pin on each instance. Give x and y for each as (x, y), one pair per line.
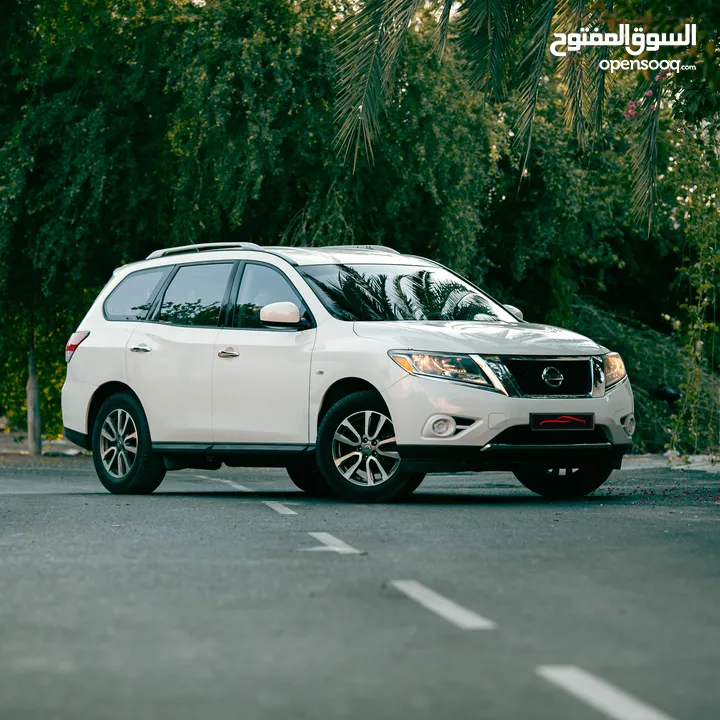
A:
(237, 597)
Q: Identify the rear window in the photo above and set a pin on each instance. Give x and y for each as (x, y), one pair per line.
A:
(132, 298)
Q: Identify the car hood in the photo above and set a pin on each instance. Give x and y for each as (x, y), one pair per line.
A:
(495, 338)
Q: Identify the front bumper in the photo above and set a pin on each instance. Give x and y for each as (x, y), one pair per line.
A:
(501, 456)
(498, 435)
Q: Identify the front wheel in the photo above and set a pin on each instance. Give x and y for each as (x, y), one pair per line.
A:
(563, 482)
(121, 448)
(357, 451)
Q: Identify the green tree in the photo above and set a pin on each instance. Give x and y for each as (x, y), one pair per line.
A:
(81, 170)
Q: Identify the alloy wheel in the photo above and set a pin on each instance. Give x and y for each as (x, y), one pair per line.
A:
(118, 443)
(364, 448)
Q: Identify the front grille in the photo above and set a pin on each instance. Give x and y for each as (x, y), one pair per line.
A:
(524, 435)
(528, 375)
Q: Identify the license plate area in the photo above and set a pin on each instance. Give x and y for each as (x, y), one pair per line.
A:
(562, 421)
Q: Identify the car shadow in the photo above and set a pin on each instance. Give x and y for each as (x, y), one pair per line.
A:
(418, 498)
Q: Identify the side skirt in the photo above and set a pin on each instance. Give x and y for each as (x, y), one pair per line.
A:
(210, 456)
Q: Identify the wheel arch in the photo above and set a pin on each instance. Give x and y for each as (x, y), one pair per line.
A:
(342, 388)
(99, 397)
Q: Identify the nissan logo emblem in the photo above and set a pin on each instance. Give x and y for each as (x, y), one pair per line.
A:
(552, 377)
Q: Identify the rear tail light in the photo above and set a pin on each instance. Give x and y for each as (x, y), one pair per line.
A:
(74, 343)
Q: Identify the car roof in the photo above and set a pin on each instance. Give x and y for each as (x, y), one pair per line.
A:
(297, 256)
(347, 254)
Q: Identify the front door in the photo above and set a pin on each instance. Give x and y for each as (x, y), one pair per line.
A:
(261, 375)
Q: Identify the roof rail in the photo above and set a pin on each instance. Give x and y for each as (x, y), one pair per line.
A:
(202, 247)
(384, 248)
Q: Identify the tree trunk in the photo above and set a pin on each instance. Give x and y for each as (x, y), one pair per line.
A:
(33, 402)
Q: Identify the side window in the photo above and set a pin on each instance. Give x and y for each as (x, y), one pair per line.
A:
(260, 286)
(195, 295)
(132, 298)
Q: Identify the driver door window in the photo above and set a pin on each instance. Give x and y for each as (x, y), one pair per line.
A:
(261, 285)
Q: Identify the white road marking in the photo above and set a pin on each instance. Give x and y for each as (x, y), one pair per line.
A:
(276, 506)
(452, 612)
(331, 544)
(599, 694)
(232, 484)
(279, 507)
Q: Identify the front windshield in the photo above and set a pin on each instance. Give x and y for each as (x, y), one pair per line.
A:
(400, 292)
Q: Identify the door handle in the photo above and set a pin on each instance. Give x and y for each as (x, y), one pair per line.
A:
(140, 348)
(228, 352)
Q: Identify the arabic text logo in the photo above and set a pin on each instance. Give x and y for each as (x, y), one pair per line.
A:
(635, 43)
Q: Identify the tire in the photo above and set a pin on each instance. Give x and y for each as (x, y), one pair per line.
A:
(306, 475)
(411, 487)
(140, 472)
(354, 486)
(575, 483)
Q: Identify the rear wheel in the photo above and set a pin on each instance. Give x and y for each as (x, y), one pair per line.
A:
(122, 451)
(357, 451)
(563, 482)
(306, 475)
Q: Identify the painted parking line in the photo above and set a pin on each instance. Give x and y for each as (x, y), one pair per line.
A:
(452, 612)
(331, 544)
(237, 486)
(599, 694)
(276, 506)
(279, 507)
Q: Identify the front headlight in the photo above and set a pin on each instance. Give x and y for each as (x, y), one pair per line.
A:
(614, 369)
(459, 368)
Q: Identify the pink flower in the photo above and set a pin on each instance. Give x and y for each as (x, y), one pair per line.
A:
(652, 107)
(631, 104)
(648, 93)
(658, 78)
(633, 113)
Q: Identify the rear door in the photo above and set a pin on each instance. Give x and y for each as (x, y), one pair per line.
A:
(261, 375)
(170, 357)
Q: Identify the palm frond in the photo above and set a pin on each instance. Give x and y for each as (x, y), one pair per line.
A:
(485, 41)
(571, 15)
(369, 48)
(598, 86)
(398, 17)
(644, 155)
(598, 83)
(454, 296)
(443, 26)
(360, 73)
(530, 70)
(403, 303)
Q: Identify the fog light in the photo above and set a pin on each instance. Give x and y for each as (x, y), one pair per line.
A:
(629, 424)
(443, 426)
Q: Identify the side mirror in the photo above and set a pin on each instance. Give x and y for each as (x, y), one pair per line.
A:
(282, 314)
(517, 312)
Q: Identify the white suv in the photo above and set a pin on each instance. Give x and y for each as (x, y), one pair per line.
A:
(357, 368)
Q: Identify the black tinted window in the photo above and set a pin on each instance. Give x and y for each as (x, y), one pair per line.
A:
(195, 295)
(260, 286)
(131, 299)
(400, 292)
